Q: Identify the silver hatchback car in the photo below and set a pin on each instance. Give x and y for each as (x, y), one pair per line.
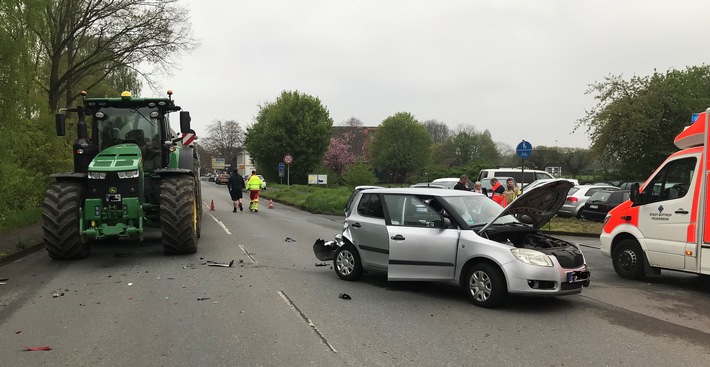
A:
(459, 236)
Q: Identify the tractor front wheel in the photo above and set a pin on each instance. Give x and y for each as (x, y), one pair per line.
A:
(179, 214)
(60, 221)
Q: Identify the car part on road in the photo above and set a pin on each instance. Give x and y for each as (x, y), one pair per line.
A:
(344, 296)
(36, 349)
(214, 263)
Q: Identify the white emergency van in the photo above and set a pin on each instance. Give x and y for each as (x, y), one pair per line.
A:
(665, 224)
(521, 177)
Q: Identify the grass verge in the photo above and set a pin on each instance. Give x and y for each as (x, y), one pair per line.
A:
(19, 219)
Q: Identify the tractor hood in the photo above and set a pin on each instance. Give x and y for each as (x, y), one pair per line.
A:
(121, 157)
(537, 206)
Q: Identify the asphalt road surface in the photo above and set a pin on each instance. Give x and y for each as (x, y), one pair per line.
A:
(130, 305)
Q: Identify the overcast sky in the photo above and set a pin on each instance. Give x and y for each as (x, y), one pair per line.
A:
(517, 68)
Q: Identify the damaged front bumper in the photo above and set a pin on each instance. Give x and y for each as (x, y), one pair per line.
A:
(324, 250)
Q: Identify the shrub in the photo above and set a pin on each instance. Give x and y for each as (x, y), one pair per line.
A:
(358, 174)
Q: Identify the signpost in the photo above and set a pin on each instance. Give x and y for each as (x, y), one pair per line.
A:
(288, 159)
(524, 150)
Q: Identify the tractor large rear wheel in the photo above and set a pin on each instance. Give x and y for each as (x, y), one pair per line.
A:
(60, 221)
(179, 214)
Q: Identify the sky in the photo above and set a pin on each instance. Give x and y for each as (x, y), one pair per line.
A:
(518, 68)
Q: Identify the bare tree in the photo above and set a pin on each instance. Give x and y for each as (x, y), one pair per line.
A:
(84, 41)
(224, 139)
(353, 122)
(438, 130)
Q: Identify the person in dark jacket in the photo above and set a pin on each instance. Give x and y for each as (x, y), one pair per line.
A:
(236, 186)
(462, 184)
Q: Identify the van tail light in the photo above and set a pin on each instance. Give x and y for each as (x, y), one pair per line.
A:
(572, 199)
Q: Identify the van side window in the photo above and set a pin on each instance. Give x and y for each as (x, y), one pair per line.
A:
(672, 181)
(370, 205)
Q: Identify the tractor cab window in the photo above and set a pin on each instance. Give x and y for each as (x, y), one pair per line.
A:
(124, 125)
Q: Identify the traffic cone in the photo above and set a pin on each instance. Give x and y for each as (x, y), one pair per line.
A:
(271, 203)
(212, 206)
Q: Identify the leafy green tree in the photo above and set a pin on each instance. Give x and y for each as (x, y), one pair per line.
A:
(574, 161)
(296, 124)
(401, 145)
(543, 157)
(635, 120)
(438, 130)
(357, 174)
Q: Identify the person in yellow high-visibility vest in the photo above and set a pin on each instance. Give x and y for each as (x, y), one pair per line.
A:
(253, 186)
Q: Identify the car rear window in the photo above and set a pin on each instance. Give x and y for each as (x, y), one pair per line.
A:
(572, 191)
(370, 205)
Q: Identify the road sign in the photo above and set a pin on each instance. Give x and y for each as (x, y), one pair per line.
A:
(281, 167)
(288, 159)
(218, 163)
(524, 149)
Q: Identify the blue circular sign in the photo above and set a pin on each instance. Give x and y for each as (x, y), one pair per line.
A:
(524, 149)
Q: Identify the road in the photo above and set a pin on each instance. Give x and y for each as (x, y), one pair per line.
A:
(128, 304)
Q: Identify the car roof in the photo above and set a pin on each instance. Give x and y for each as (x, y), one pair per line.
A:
(420, 191)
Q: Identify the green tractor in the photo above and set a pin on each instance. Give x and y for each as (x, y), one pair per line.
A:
(132, 171)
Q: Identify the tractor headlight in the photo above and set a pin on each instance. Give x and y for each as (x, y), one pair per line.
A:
(97, 175)
(128, 174)
(531, 257)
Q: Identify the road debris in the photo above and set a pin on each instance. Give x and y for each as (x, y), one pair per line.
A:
(214, 263)
(289, 239)
(33, 349)
(55, 295)
(344, 296)
(203, 299)
(321, 264)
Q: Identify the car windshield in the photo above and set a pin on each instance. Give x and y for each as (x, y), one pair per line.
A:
(478, 209)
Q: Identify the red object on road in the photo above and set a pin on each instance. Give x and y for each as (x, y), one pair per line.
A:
(271, 204)
(212, 206)
(32, 349)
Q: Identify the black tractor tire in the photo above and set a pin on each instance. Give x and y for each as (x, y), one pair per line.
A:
(179, 215)
(485, 285)
(347, 264)
(629, 260)
(60, 221)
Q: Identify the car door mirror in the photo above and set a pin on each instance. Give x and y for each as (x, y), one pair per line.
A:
(447, 223)
(634, 195)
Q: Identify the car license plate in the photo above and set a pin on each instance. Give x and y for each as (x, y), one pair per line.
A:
(594, 207)
(577, 276)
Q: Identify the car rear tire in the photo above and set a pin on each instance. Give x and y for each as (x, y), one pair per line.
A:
(485, 285)
(346, 263)
(628, 260)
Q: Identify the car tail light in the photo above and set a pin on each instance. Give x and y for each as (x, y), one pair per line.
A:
(572, 199)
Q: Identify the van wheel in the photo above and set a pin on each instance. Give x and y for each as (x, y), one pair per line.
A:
(485, 285)
(347, 263)
(628, 260)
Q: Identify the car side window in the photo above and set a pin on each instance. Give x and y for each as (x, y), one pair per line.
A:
(412, 210)
(370, 205)
(671, 182)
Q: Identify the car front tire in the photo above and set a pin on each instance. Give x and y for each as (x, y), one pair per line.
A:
(628, 260)
(485, 285)
(347, 263)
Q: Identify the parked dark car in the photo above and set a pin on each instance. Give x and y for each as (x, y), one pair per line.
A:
(599, 204)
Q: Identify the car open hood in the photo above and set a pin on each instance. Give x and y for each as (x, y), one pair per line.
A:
(539, 205)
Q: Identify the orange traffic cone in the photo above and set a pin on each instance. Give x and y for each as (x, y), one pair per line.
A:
(271, 203)
(212, 206)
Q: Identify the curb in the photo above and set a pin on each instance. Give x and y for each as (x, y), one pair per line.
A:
(22, 253)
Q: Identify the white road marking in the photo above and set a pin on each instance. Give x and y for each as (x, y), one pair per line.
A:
(306, 319)
(248, 254)
(221, 224)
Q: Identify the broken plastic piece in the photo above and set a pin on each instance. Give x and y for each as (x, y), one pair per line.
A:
(46, 347)
(321, 264)
(203, 299)
(344, 296)
(289, 239)
(226, 265)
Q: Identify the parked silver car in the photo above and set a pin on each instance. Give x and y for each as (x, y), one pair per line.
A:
(459, 236)
(577, 196)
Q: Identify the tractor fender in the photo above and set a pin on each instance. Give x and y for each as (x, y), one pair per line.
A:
(163, 172)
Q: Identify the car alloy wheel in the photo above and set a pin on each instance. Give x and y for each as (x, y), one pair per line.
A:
(485, 285)
(346, 263)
